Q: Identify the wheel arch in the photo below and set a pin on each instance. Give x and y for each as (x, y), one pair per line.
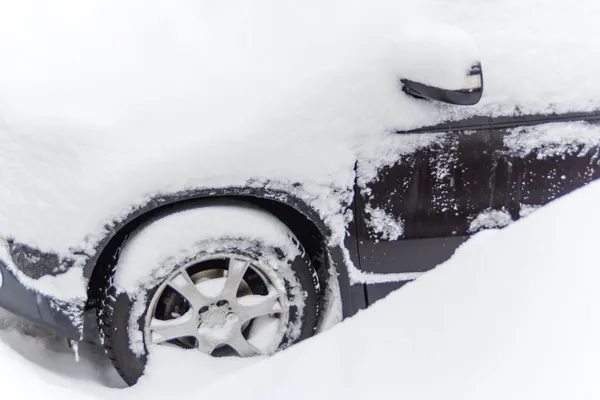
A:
(303, 220)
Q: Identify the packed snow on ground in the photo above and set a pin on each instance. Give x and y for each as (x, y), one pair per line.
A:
(513, 314)
(104, 105)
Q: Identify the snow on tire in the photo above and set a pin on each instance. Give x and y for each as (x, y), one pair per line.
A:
(226, 279)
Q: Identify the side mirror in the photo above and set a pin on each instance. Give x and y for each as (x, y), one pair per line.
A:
(468, 95)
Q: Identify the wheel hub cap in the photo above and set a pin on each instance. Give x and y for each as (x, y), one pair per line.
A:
(216, 318)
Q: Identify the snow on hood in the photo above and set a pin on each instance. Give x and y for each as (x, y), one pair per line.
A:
(103, 104)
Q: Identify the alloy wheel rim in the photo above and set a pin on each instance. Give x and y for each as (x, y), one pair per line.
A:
(223, 312)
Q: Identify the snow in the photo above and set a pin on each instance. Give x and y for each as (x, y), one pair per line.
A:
(190, 99)
(262, 332)
(69, 285)
(103, 106)
(176, 239)
(489, 323)
(210, 287)
(385, 225)
(554, 139)
(490, 218)
(358, 276)
(388, 149)
(513, 314)
(527, 209)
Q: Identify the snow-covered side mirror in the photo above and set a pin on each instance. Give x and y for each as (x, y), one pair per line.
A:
(468, 95)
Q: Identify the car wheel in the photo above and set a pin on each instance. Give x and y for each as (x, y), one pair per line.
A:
(249, 290)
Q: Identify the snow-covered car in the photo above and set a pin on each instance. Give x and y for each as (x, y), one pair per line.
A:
(236, 180)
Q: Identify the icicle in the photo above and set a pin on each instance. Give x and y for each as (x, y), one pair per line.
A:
(75, 347)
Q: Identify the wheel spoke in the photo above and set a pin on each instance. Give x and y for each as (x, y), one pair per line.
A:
(236, 271)
(163, 331)
(205, 345)
(268, 305)
(243, 347)
(183, 284)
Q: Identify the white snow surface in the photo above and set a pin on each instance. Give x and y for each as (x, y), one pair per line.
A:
(489, 219)
(513, 314)
(105, 104)
(386, 225)
(176, 239)
(554, 139)
(527, 209)
(67, 285)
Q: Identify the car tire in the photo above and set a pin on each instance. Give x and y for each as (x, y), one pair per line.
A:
(278, 274)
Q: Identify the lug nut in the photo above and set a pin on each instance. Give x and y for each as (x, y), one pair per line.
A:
(222, 303)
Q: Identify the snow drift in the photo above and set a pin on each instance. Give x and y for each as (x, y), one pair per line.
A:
(513, 314)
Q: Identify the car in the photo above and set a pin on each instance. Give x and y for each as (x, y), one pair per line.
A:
(237, 202)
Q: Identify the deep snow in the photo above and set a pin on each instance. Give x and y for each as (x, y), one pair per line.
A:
(513, 314)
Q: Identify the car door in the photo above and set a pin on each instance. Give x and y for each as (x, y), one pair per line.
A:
(475, 174)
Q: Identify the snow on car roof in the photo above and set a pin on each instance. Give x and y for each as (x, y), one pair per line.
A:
(100, 61)
(104, 104)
